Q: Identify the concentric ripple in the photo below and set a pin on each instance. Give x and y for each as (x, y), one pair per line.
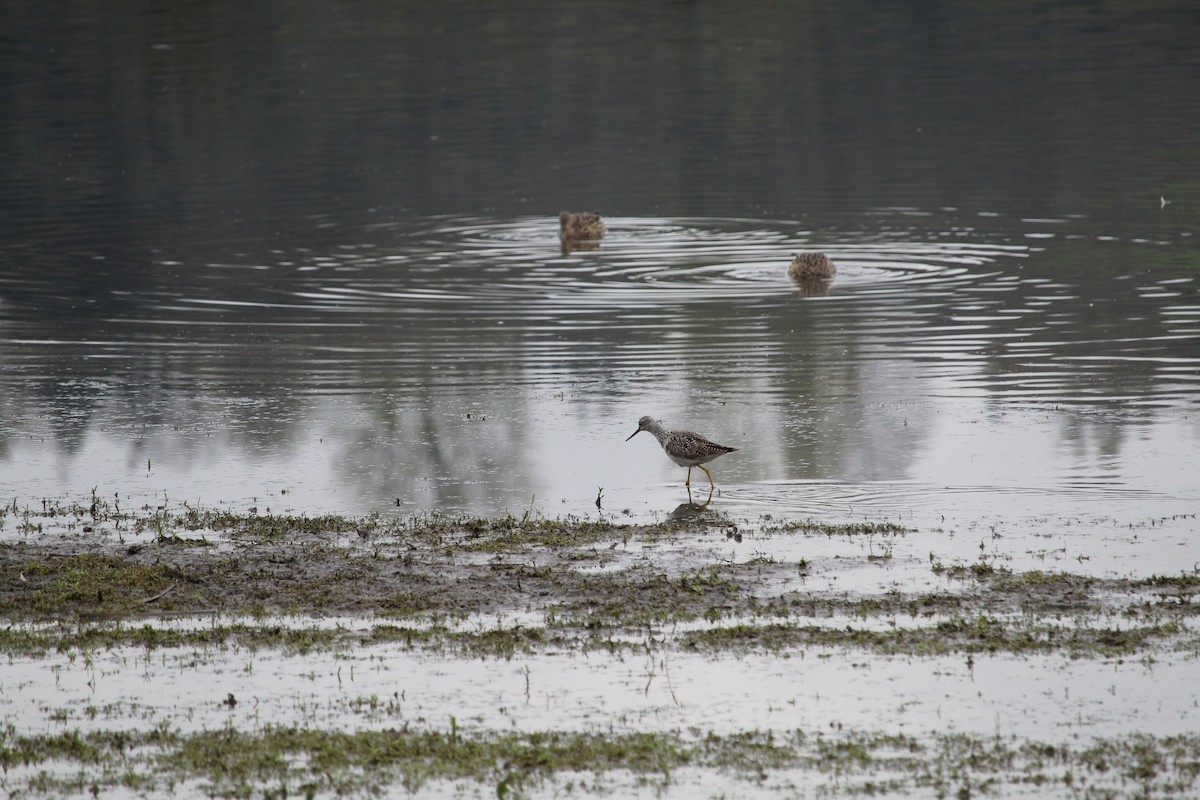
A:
(470, 358)
(664, 260)
(986, 313)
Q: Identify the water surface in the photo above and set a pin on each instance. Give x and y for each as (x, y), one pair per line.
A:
(467, 364)
(302, 257)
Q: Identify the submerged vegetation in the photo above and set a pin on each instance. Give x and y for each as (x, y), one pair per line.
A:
(283, 761)
(79, 579)
(589, 581)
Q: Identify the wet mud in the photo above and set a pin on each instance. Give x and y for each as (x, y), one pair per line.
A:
(520, 589)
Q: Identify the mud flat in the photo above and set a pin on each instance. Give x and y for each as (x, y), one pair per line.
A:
(238, 654)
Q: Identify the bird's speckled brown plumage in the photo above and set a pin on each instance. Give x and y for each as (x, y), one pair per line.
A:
(686, 448)
(573, 227)
(808, 266)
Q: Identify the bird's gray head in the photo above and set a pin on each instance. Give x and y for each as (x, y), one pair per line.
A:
(644, 424)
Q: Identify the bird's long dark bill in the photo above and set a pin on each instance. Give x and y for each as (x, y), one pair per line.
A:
(635, 433)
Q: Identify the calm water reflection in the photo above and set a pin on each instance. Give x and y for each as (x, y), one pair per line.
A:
(309, 261)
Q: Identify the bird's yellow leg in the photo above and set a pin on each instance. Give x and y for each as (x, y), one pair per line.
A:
(688, 482)
(709, 474)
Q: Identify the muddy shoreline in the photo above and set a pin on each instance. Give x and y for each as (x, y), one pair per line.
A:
(508, 588)
(585, 577)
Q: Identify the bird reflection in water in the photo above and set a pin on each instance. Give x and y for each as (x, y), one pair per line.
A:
(691, 509)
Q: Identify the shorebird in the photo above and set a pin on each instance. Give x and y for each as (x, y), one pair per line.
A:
(584, 225)
(685, 448)
(808, 266)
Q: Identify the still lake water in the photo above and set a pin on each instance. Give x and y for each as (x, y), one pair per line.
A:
(292, 257)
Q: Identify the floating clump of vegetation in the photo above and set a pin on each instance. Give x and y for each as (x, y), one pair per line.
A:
(969, 636)
(772, 525)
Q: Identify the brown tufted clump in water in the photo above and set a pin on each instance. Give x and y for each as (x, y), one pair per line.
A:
(810, 266)
(573, 227)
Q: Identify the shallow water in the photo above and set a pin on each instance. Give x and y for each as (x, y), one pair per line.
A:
(467, 365)
(1051, 699)
(1058, 701)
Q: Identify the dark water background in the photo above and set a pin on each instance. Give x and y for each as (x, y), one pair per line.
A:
(304, 254)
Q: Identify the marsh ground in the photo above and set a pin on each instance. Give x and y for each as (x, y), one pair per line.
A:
(239, 655)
